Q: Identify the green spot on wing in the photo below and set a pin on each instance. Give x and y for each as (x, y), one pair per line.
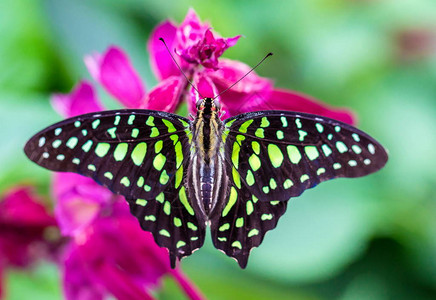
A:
(180, 244)
(275, 155)
(244, 125)
(111, 131)
(95, 123)
(224, 227)
(301, 135)
(167, 208)
(160, 198)
(232, 200)
(87, 146)
(150, 218)
(236, 178)
(249, 207)
(140, 181)
(192, 226)
(125, 181)
(265, 217)
(356, 149)
(264, 122)
(141, 202)
(177, 222)
(102, 149)
(304, 177)
(259, 133)
(342, 148)
(72, 142)
(159, 161)
(164, 232)
(120, 151)
(170, 125)
(294, 154)
(253, 232)
(250, 178)
(154, 132)
(138, 153)
(184, 199)
(158, 146)
(179, 154)
(319, 127)
(235, 154)
(254, 162)
(150, 121)
(326, 149)
(272, 184)
(164, 177)
(237, 244)
(311, 152)
(135, 133)
(131, 119)
(256, 147)
(288, 183)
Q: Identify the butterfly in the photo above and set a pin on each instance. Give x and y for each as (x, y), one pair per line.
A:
(180, 175)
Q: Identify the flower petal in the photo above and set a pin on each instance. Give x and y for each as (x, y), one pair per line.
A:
(230, 71)
(118, 76)
(191, 30)
(79, 201)
(126, 271)
(251, 88)
(93, 62)
(166, 95)
(24, 224)
(81, 100)
(20, 207)
(162, 64)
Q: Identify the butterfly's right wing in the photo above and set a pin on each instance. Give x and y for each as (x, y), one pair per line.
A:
(140, 154)
(272, 156)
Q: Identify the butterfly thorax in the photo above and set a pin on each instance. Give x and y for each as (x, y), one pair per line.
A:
(206, 172)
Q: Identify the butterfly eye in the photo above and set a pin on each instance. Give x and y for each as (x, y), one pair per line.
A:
(199, 103)
(217, 104)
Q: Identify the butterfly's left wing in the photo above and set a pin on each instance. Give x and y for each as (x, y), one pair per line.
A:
(272, 156)
(141, 154)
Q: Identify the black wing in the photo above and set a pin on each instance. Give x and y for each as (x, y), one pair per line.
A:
(140, 154)
(273, 156)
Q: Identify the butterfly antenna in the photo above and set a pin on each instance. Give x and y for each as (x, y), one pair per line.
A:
(252, 69)
(180, 69)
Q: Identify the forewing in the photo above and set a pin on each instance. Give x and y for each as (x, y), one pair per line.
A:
(279, 154)
(140, 154)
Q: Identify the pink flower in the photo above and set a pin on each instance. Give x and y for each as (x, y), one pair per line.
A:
(25, 227)
(197, 51)
(114, 256)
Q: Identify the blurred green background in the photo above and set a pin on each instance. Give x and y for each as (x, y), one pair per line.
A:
(366, 238)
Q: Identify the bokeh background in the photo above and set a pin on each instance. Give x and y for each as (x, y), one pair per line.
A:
(366, 238)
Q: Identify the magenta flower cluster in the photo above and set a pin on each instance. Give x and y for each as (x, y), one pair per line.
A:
(106, 252)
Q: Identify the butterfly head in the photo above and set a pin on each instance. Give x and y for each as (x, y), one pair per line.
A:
(208, 105)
